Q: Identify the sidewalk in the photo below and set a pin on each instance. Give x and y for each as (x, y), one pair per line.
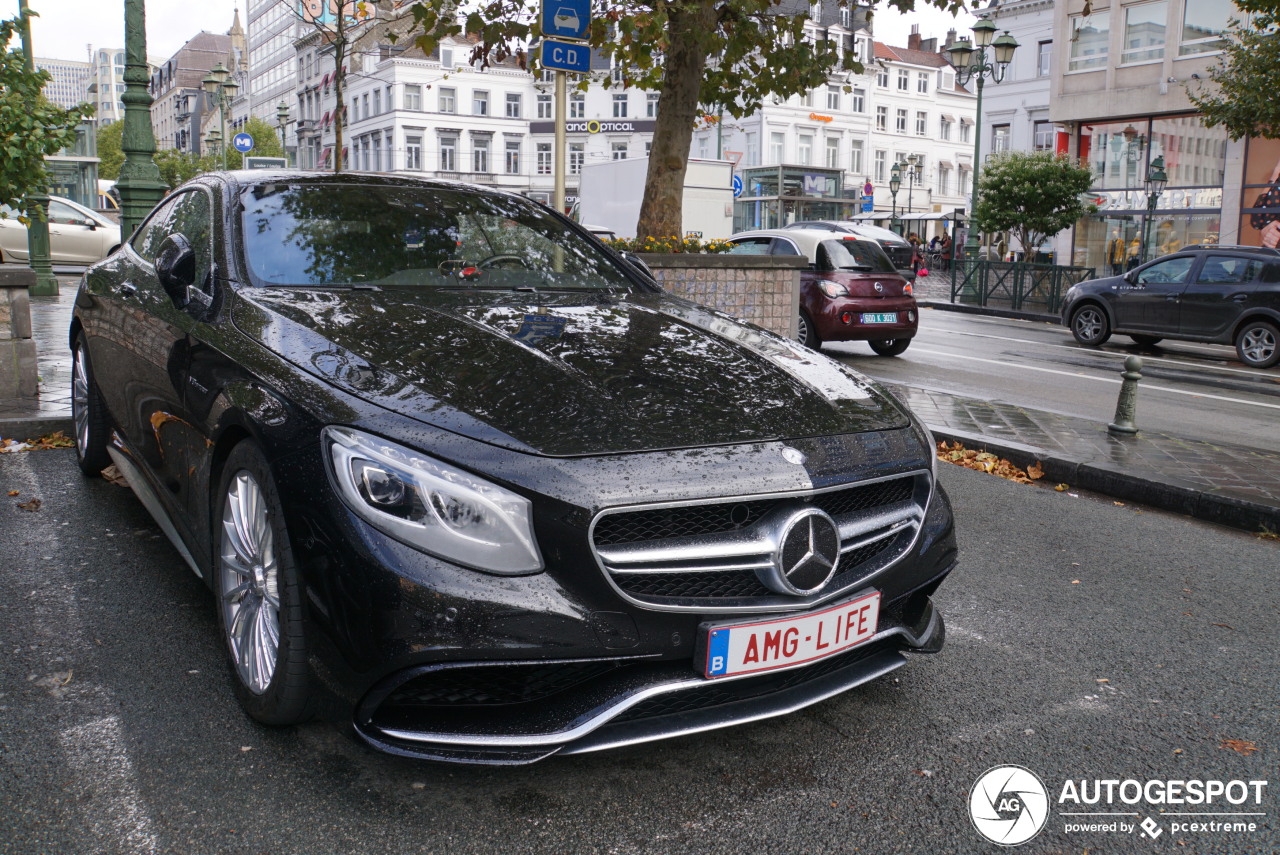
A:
(1233, 485)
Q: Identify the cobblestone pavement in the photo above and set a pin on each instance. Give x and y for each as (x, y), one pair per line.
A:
(1230, 483)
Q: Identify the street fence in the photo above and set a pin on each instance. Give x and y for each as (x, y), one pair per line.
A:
(1016, 285)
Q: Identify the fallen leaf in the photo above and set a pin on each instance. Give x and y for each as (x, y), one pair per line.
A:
(1075, 581)
(33, 505)
(1102, 680)
(983, 461)
(57, 439)
(13, 493)
(1240, 746)
(1035, 471)
(246, 747)
(1224, 626)
(112, 474)
(1062, 488)
(1118, 504)
(1267, 534)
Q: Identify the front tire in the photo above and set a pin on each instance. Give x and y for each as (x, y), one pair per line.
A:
(1090, 326)
(891, 347)
(259, 601)
(87, 414)
(1258, 344)
(805, 332)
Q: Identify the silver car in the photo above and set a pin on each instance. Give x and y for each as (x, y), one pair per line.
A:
(77, 235)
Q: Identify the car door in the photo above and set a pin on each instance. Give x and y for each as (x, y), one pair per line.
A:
(1149, 299)
(71, 239)
(13, 236)
(1213, 301)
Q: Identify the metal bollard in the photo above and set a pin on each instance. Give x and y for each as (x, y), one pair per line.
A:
(1127, 403)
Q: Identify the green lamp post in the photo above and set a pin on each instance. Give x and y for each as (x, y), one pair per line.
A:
(895, 183)
(282, 116)
(140, 184)
(221, 86)
(1154, 185)
(38, 230)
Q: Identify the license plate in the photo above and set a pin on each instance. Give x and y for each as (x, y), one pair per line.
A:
(880, 318)
(783, 642)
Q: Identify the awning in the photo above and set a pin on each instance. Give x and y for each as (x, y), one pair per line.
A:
(873, 215)
(965, 120)
(326, 154)
(933, 215)
(947, 117)
(324, 121)
(945, 164)
(324, 81)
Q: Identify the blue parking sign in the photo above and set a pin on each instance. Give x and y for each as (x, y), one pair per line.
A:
(565, 19)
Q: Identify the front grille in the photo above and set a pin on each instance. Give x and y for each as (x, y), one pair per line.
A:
(495, 685)
(712, 556)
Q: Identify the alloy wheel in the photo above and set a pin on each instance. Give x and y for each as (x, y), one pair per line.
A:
(249, 579)
(80, 400)
(1258, 345)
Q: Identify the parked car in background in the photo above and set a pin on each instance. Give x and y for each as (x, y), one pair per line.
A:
(1217, 294)
(895, 246)
(851, 291)
(77, 235)
(457, 471)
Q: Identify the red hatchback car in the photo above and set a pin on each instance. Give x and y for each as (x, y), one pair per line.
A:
(851, 291)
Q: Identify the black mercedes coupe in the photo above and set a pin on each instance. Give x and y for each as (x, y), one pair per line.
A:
(459, 474)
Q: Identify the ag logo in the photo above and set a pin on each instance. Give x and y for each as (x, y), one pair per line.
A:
(1009, 805)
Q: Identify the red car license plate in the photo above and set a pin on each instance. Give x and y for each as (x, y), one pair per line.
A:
(784, 642)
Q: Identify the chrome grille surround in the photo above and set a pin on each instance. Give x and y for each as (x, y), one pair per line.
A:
(879, 521)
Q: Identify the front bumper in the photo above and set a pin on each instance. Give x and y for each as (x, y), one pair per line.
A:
(628, 701)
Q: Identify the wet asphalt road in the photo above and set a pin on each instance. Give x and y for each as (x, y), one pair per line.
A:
(1085, 640)
(1190, 390)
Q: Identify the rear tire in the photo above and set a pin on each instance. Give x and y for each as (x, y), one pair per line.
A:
(1146, 340)
(258, 595)
(805, 332)
(892, 347)
(1090, 326)
(1258, 344)
(87, 414)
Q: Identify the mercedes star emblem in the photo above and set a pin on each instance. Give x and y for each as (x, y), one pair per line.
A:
(807, 554)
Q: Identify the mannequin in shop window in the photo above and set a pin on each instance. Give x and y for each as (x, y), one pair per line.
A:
(1167, 238)
(1116, 252)
(1135, 254)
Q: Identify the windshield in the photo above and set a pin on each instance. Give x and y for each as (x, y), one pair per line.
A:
(853, 254)
(418, 236)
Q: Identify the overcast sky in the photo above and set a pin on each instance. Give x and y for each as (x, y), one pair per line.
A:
(66, 27)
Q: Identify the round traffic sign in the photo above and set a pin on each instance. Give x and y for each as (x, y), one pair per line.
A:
(242, 142)
(737, 186)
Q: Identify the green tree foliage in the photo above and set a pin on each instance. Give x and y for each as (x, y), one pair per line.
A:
(31, 127)
(701, 55)
(1239, 94)
(109, 150)
(1032, 194)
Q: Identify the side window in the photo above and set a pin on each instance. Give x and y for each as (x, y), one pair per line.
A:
(65, 215)
(146, 242)
(1229, 270)
(1172, 271)
(193, 219)
(750, 246)
(783, 247)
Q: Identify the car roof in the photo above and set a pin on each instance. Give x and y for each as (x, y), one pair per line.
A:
(806, 240)
(851, 226)
(1215, 247)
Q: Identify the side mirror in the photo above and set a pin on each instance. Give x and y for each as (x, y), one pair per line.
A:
(176, 267)
(637, 263)
(91, 223)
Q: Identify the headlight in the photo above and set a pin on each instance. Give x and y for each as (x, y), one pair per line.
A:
(431, 506)
(833, 289)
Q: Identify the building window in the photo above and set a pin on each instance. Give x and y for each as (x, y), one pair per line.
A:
(513, 105)
(858, 100)
(1144, 32)
(882, 78)
(833, 152)
(513, 157)
(480, 103)
(965, 126)
(1044, 58)
(882, 118)
(446, 57)
(1203, 24)
(833, 97)
(855, 157)
(900, 124)
(413, 152)
(544, 105)
(1042, 136)
(1089, 37)
(362, 107)
(804, 149)
(448, 101)
(922, 82)
(480, 155)
(776, 144)
(944, 129)
(448, 154)
(922, 123)
(576, 155)
(544, 158)
(651, 105)
(904, 80)
(620, 105)
(648, 147)
(618, 151)
(412, 96)
(880, 164)
(999, 138)
(944, 181)
(577, 105)
(377, 102)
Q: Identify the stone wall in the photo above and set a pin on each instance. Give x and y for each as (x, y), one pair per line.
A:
(18, 372)
(761, 289)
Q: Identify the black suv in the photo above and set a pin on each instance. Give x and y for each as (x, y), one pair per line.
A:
(1217, 294)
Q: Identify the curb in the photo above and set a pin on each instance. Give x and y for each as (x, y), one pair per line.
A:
(967, 309)
(35, 426)
(1224, 510)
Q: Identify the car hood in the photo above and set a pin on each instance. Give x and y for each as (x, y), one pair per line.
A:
(564, 374)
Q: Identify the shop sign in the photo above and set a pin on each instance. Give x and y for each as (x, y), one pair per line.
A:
(1209, 198)
(820, 118)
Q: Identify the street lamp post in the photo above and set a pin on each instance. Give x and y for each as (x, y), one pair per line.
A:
(895, 183)
(971, 63)
(913, 178)
(221, 86)
(1154, 185)
(38, 254)
(282, 114)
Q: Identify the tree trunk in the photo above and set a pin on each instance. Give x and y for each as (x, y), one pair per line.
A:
(686, 60)
(339, 85)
